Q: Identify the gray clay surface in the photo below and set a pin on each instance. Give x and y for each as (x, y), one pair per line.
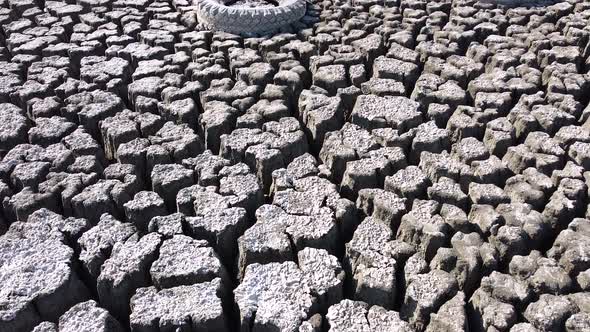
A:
(294, 166)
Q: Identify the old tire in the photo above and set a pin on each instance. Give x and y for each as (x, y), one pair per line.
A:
(216, 16)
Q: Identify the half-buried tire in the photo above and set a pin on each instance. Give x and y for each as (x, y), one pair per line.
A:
(214, 15)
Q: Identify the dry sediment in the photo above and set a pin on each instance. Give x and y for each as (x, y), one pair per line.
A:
(398, 165)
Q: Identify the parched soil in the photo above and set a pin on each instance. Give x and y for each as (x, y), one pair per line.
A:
(396, 165)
